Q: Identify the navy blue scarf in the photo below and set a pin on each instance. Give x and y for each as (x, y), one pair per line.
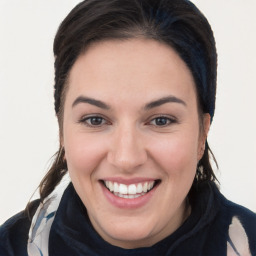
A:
(204, 233)
(201, 234)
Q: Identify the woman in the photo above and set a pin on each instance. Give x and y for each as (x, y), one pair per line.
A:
(135, 85)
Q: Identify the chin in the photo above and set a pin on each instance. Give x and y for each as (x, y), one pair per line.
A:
(127, 232)
(130, 239)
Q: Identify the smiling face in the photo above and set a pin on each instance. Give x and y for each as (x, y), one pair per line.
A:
(132, 140)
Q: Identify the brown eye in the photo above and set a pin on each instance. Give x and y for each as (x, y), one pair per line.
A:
(94, 121)
(162, 121)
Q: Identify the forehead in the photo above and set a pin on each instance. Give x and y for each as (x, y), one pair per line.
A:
(130, 68)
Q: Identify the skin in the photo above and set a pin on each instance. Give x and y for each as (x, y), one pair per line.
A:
(128, 142)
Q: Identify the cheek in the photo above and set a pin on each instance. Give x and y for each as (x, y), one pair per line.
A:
(83, 153)
(177, 155)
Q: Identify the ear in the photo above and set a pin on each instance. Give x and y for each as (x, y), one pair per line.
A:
(203, 135)
(61, 140)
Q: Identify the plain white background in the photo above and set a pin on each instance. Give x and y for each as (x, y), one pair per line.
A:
(28, 127)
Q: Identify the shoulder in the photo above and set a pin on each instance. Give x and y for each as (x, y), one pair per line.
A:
(14, 232)
(242, 229)
(246, 217)
(229, 209)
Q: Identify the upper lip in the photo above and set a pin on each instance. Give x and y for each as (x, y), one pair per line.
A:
(128, 181)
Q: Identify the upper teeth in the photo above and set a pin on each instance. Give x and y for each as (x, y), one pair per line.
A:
(131, 189)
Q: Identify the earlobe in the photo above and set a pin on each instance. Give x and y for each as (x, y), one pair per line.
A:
(203, 137)
(62, 149)
(207, 124)
(61, 139)
(201, 152)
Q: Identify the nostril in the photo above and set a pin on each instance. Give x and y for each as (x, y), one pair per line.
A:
(126, 150)
(126, 160)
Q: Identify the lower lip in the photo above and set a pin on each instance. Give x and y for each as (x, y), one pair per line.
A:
(128, 203)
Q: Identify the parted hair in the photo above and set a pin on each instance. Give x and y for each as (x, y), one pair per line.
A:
(177, 23)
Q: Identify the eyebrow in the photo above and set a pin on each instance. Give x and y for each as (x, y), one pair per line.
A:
(150, 105)
(97, 103)
(161, 101)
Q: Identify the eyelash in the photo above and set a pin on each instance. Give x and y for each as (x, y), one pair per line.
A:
(169, 120)
(84, 121)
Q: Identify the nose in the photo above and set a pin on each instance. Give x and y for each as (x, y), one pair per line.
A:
(127, 150)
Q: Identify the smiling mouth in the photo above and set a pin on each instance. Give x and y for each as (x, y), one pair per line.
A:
(130, 191)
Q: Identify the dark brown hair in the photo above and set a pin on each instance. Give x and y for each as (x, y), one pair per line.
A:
(177, 23)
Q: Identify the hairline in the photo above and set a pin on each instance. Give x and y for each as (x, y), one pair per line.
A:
(60, 114)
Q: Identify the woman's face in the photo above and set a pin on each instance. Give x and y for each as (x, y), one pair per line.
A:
(132, 139)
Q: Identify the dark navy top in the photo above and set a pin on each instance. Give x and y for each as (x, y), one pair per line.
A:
(204, 233)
